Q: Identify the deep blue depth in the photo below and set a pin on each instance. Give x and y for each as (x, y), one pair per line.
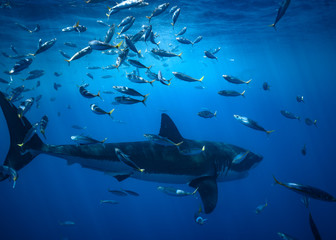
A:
(297, 59)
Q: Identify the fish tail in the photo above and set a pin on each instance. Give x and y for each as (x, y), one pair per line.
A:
(149, 18)
(180, 55)
(203, 148)
(119, 44)
(243, 93)
(119, 33)
(315, 123)
(110, 112)
(76, 24)
(178, 144)
(144, 96)
(104, 140)
(273, 26)
(141, 170)
(151, 82)
(98, 95)
(107, 15)
(31, 54)
(215, 114)
(144, 101)
(157, 44)
(18, 129)
(249, 81)
(139, 52)
(268, 132)
(201, 79)
(276, 180)
(67, 61)
(169, 83)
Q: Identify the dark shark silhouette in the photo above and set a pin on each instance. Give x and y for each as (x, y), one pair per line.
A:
(161, 163)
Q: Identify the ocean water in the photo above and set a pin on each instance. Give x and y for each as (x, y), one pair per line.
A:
(296, 59)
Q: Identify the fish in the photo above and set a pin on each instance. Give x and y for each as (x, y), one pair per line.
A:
(20, 65)
(123, 5)
(125, 21)
(285, 236)
(85, 93)
(137, 79)
(314, 228)
(81, 53)
(240, 157)
(15, 93)
(164, 164)
(175, 192)
(129, 91)
(198, 39)
(183, 31)
(25, 106)
(108, 92)
(127, 26)
(66, 223)
(129, 100)
(131, 193)
(23, 27)
(148, 31)
(304, 150)
(216, 50)
(78, 127)
(70, 44)
(175, 16)
(38, 83)
(207, 114)
(64, 54)
(137, 64)
(299, 98)
(162, 80)
(164, 53)
(97, 110)
(158, 10)
(173, 9)
(235, 80)
(152, 39)
(57, 74)
(160, 140)
(43, 125)
(6, 172)
(186, 78)
(106, 76)
(79, 28)
(14, 50)
(261, 207)
(86, 140)
(118, 193)
(89, 75)
(189, 151)
(109, 201)
(121, 57)
(131, 46)
(57, 86)
(308, 191)
(281, 11)
(33, 76)
(45, 46)
(109, 33)
(289, 115)
(184, 40)
(266, 86)
(93, 67)
(209, 55)
(126, 159)
(251, 124)
(30, 133)
(310, 122)
(103, 23)
(99, 45)
(231, 93)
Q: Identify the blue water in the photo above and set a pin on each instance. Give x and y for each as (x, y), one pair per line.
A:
(297, 59)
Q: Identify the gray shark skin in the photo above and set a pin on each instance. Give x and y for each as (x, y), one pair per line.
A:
(161, 163)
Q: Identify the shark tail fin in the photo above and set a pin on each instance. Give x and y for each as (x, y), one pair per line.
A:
(17, 156)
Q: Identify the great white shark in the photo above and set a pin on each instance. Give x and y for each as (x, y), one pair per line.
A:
(202, 170)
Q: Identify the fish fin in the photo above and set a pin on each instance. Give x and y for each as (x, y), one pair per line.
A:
(315, 123)
(149, 18)
(104, 140)
(248, 81)
(207, 188)
(146, 95)
(76, 24)
(180, 55)
(243, 93)
(18, 129)
(203, 148)
(178, 144)
(169, 130)
(268, 132)
(141, 170)
(273, 26)
(201, 79)
(67, 61)
(122, 177)
(215, 114)
(149, 67)
(276, 180)
(119, 33)
(169, 83)
(194, 192)
(144, 101)
(107, 15)
(110, 112)
(139, 52)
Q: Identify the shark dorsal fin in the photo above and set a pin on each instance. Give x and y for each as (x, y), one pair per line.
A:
(169, 130)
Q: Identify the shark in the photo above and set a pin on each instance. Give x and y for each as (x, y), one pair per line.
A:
(201, 170)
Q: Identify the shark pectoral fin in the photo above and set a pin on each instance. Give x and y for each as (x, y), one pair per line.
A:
(207, 188)
(122, 177)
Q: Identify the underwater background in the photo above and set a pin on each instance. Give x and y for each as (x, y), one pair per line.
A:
(298, 58)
